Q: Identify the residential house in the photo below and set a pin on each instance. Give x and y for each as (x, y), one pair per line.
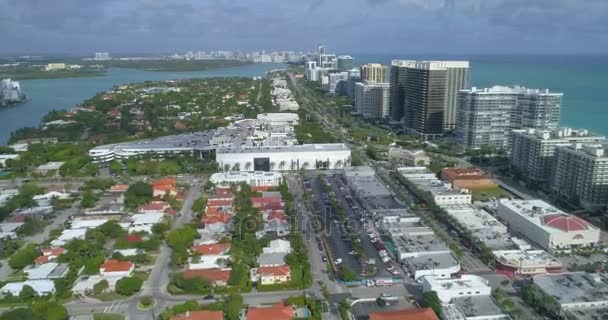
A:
(163, 186)
(116, 268)
(41, 287)
(49, 254)
(200, 315)
(275, 312)
(274, 275)
(211, 249)
(217, 276)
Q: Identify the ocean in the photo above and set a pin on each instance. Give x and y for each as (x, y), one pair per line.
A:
(582, 79)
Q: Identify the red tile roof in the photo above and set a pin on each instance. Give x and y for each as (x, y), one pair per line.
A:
(276, 312)
(165, 184)
(276, 215)
(116, 266)
(260, 188)
(219, 202)
(132, 238)
(565, 222)
(170, 211)
(212, 275)
(409, 314)
(216, 248)
(49, 254)
(200, 315)
(275, 271)
(272, 206)
(154, 206)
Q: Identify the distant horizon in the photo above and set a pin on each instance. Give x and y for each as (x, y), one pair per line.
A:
(353, 54)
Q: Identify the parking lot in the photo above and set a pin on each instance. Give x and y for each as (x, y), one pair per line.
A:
(341, 247)
(362, 225)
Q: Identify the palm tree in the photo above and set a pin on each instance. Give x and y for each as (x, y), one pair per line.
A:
(226, 167)
(236, 167)
(272, 166)
(338, 164)
(282, 165)
(248, 166)
(305, 166)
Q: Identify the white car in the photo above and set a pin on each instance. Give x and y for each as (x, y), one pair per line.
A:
(390, 267)
(352, 252)
(338, 261)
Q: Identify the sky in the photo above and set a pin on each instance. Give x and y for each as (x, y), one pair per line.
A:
(344, 26)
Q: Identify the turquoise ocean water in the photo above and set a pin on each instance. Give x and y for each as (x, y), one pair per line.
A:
(582, 79)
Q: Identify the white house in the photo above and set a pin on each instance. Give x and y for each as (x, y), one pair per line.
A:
(41, 287)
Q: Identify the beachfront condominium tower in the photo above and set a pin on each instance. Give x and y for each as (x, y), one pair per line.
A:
(345, 63)
(533, 150)
(373, 73)
(486, 117)
(581, 175)
(397, 83)
(372, 100)
(428, 92)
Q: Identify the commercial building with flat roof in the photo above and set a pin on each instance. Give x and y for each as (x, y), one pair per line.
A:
(412, 158)
(485, 117)
(577, 295)
(195, 143)
(422, 252)
(256, 178)
(467, 297)
(546, 225)
(482, 225)
(526, 261)
(467, 178)
(533, 151)
(581, 174)
(442, 194)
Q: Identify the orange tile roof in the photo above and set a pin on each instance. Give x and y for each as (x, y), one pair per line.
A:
(260, 188)
(212, 275)
(165, 184)
(200, 315)
(119, 188)
(275, 271)
(42, 259)
(216, 248)
(409, 314)
(215, 217)
(276, 312)
(116, 265)
(55, 252)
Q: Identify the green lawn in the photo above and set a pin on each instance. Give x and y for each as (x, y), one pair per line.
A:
(486, 193)
(108, 316)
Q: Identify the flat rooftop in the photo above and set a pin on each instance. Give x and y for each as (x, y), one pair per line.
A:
(478, 306)
(431, 261)
(598, 313)
(419, 243)
(574, 287)
(190, 141)
(327, 147)
(540, 258)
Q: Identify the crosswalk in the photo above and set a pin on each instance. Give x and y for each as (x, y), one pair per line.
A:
(113, 308)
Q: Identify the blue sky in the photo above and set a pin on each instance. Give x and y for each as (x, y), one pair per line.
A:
(355, 26)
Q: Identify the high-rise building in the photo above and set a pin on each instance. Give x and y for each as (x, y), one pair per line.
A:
(372, 100)
(430, 94)
(354, 76)
(312, 74)
(397, 82)
(335, 79)
(345, 63)
(533, 151)
(486, 117)
(373, 73)
(581, 174)
(327, 61)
